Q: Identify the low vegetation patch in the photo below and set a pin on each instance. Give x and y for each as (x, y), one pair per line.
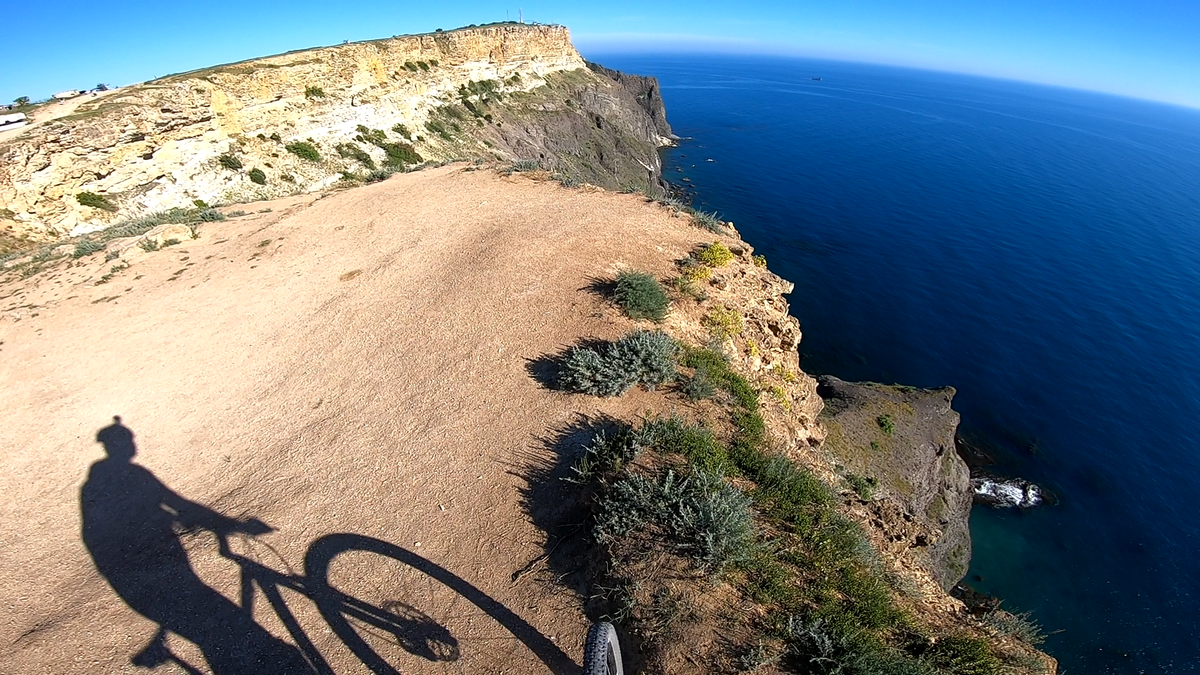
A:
(352, 151)
(709, 221)
(95, 201)
(672, 499)
(641, 296)
(399, 155)
(230, 162)
(723, 323)
(715, 254)
(525, 165)
(436, 127)
(613, 368)
(304, 150)
(312, 91)
(87, 247)
(257, 176)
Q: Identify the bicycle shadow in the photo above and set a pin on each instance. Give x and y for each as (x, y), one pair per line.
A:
(130, 523)
(131, 527)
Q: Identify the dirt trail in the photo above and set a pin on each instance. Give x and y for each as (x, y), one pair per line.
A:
(358, 364)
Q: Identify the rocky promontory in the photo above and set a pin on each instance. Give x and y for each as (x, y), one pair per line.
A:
(899, 442)
(302, 121)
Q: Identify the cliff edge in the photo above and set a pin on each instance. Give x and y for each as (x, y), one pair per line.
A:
(300, 122)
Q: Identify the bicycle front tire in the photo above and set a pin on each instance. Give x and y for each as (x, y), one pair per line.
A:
(602, 651)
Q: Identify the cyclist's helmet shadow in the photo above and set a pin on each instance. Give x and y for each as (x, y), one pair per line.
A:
(131, 522)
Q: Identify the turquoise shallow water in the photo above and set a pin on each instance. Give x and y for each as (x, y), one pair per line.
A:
(1038, 249)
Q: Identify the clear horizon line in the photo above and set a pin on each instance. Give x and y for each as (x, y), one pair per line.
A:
(670, 43)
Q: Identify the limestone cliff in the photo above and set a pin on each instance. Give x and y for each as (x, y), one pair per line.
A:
(223, 134)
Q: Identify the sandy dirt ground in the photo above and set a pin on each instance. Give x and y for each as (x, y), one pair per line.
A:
(355, 371)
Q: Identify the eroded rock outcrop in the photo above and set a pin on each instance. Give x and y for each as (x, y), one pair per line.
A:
(222, 135)
(900, 441)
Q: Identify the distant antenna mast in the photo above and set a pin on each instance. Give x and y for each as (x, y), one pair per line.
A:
(521, 13)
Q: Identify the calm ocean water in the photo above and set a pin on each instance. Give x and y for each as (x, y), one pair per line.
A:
(1038, 249)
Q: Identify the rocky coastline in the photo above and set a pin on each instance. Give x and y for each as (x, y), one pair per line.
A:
(520, 96)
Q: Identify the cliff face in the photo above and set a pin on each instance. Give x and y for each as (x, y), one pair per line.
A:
(900, 442)
(506, 91)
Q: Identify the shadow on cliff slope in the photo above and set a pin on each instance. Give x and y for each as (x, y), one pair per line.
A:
(558, 506)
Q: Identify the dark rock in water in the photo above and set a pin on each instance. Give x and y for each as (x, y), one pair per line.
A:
(977, 603)
(902, 438)
(1006, 492)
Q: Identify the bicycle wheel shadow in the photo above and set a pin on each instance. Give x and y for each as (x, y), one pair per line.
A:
(132, 524)
(333, 605)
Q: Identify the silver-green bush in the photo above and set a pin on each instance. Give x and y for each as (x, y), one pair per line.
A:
(641, 357)
(701, 516)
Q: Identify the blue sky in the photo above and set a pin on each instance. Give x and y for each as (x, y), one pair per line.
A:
(1148, 49)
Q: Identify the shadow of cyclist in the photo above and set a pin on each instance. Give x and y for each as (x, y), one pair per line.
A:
(130, 526)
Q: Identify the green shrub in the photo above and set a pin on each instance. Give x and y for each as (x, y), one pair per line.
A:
(352, 151)
(86, 247)
(760, 260)
(312, 91)
(95, 201)
(526, 165)
(699, 386)
(398, 154)
(717, 368)
(715, 254)
(1020, 626)
(287, 178)
(608, 452)
(438, 128)
(276, 137)
(783, 489)
(230, 162)
(403, 131)
(257, 176)
(379, 175)
(611, 369)
(641, 296)
(723, 323)
(423, 66)
(148, 245)
(963, 655)
(701, 516)
(708, 221)
(863, 486)
(886, 423)
(410, 66)
(304, 150)
(694, 441)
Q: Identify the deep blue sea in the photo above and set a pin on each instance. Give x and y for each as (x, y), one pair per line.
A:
(1036, 248)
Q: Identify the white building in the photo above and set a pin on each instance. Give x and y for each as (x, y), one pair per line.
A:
(70, 93)
(13, 121)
